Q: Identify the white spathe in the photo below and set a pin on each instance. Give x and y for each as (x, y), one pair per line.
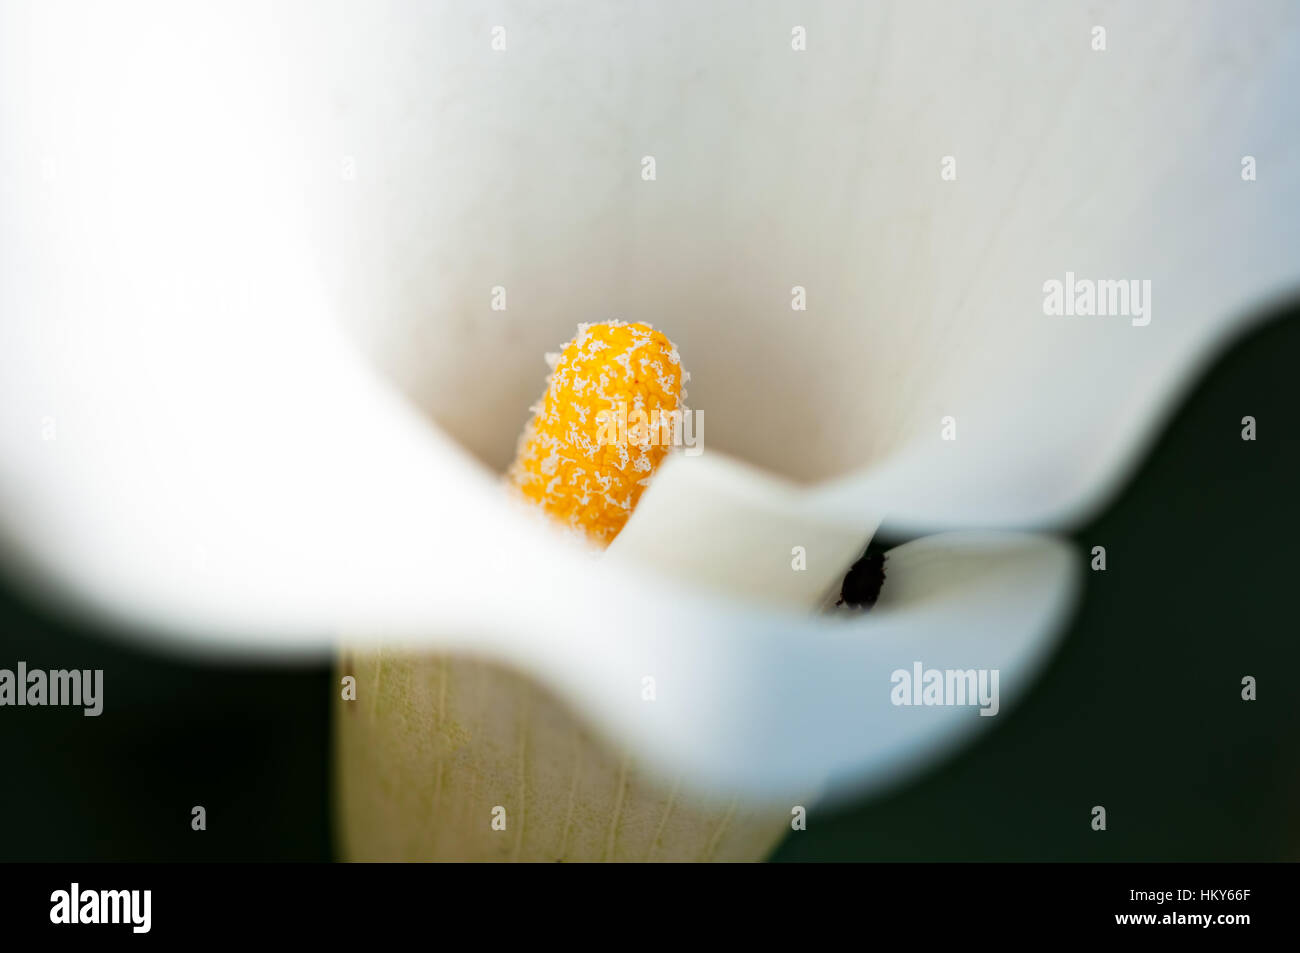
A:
(199, 197)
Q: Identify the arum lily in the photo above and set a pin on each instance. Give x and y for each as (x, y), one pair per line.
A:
(255, 397)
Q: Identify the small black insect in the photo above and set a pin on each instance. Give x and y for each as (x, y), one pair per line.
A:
(861, 586)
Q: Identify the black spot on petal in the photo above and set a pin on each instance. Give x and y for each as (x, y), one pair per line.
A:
(861, 586)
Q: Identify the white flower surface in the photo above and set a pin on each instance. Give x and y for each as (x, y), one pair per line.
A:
(253, 394)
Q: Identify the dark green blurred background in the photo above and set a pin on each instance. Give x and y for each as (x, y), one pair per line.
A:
(1140, 711)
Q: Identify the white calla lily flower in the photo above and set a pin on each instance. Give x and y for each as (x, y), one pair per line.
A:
(253, 393)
